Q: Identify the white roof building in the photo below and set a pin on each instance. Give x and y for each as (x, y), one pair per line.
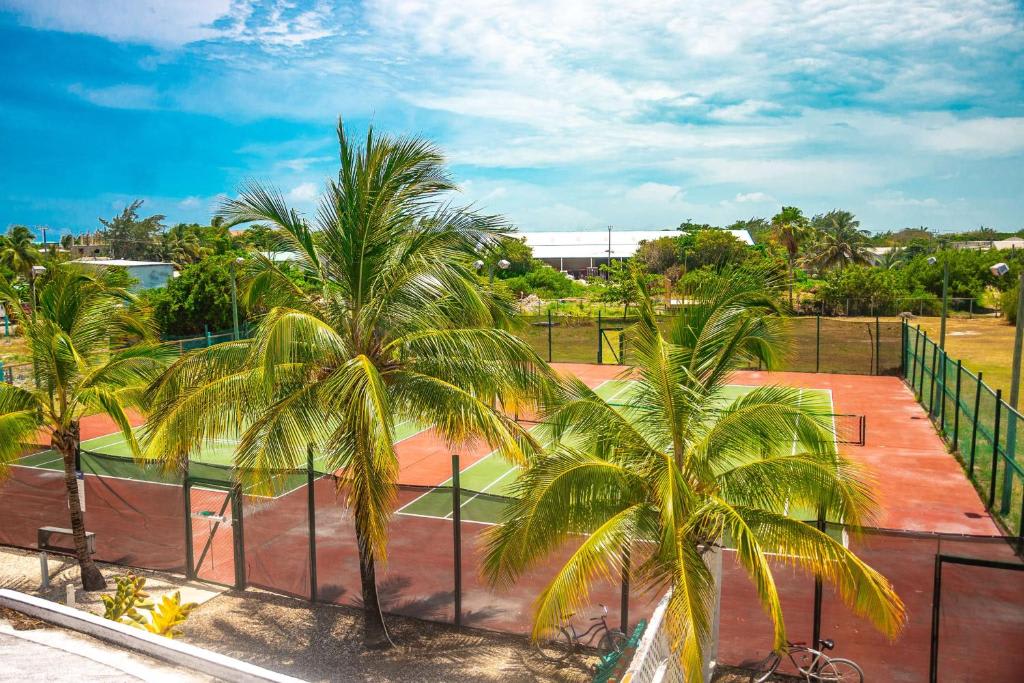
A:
(582, 251)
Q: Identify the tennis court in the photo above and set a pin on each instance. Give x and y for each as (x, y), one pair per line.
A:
(110, 455)
(487, 481)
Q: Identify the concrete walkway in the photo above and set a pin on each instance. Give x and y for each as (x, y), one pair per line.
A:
(54, 654)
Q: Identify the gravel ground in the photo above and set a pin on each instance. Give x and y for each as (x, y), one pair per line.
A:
(320, 642)
(323, 643)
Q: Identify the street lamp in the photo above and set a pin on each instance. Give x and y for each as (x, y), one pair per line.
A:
(35, 272)
(945, 298)
(1003, 270)
(234, 292)
(502, 263)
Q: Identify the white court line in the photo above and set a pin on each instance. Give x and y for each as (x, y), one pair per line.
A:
(448, 481)
(513, 468)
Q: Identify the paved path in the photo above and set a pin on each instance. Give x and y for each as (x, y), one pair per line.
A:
(57, 655)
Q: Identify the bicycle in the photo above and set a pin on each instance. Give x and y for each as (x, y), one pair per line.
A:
(813, 664)
(567, 640)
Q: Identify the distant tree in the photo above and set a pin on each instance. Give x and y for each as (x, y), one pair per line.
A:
(789, 228)
(262, 238)
(625, 279)
(516, 251)
(661, 254)
(131, 237)
(837, 242)
(198, 299)
(759, 229)
(715, 248)
(182, 245)
(19, 252)
(894, 258)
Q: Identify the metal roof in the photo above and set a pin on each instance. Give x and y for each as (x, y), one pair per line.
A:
(594, 243)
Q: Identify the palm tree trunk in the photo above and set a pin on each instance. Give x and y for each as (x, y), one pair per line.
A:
(792, 277)
(375, 635)
(67, 442)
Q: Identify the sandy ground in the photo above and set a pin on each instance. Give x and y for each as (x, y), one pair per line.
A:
(313, 642)
(316, 642)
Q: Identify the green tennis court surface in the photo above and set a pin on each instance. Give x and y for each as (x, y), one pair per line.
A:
(491, 477)
(111, 456)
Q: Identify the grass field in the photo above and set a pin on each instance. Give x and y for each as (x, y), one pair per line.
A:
(984, 344)
(492, 476)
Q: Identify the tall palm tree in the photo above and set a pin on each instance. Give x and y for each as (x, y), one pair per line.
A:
(394, 324)
(92, 351)
(838, 243)
(665, 478)
(19, 252)
(790, 228)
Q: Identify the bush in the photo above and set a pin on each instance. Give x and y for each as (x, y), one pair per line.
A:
(1008, 302)
(545, 282)
(199, 299)
(866, 290)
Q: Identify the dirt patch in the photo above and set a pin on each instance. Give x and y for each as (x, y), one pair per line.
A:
(19, 621)
(318, 642)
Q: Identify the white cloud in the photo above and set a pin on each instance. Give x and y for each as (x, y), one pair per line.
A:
(655, 192)
(124, 96)
(756, 198)
(303, 193)
(986, 136)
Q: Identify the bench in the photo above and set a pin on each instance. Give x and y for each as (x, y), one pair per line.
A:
(45, 542)
(609, 669)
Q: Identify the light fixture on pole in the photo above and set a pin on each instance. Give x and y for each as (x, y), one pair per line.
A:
(1003, 270)
(35, 272)
(234, 293)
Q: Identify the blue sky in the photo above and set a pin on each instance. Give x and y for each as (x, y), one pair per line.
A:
(559, 115)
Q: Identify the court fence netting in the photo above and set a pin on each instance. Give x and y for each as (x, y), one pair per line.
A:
(964, 594)
(980, 427)
(818, 343)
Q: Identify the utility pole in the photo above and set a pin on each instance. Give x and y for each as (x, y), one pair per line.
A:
(607, 271)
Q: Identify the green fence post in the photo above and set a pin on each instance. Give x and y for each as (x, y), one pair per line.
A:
(1010, 455)
(931, 390)
(924, 363)
(550, 332)
(209, 339)
(311, 515)
(878, 346)
(995, 449)
(190, 570)
(903, 349)
(457, 537)
(600, 350)
(817, 348)
(956, 408)
(919, 363)
(974, 428)
(942, 394)
(238, 515)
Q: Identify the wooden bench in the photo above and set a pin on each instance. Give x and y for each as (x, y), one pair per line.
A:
(44, 541)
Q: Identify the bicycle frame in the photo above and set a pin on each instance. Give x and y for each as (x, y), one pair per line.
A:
(600, 625)
(818, 659)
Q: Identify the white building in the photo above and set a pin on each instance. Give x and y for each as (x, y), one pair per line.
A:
(150, 274)
(583, 252)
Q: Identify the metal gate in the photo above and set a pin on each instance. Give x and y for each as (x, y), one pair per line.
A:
(611, 349)
(214, 546)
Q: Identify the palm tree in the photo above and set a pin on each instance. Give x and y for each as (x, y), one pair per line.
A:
(20, 252)
(889, 260)
(680, 467)
(790, 228)
(92, 352)
(394, 324)
(838, 242)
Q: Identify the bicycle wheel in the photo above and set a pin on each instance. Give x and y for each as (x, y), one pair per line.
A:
(613, 640)
(558, 648)
(841, 670)
(763, 670)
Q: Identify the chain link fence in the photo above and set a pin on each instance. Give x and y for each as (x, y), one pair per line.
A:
(978, 424)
